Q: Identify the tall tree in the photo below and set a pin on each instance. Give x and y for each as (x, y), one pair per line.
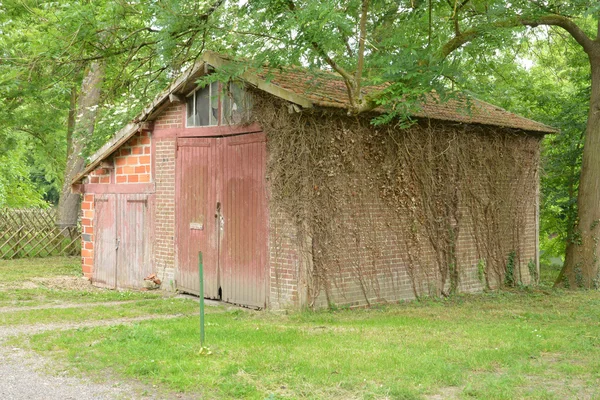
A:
(414, 44)
(82, 130)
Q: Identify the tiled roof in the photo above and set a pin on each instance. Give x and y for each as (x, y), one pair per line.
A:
(308, 88)
(328, 90)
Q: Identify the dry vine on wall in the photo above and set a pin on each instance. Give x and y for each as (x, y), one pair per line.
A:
(375, 207)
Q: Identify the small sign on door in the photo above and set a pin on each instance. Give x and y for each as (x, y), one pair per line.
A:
(198, 225)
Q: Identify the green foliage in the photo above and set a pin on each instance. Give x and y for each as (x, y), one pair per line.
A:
(16, 187)
(533, 272)
(544, 77)
(509, 277)
(481, 271)
(44, 47)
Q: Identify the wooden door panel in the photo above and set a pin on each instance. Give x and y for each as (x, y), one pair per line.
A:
(196, 189)
(133, 254)
(243, 250)
(105, 241)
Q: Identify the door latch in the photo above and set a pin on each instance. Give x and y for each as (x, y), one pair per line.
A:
(219, 217)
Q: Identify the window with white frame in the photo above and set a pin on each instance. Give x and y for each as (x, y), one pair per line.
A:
(218, 104)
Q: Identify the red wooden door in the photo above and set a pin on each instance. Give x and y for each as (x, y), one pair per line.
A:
(122, 241)
(196, 188)
(221, 211)
(105, 241)
(243, 250)
(133, 237)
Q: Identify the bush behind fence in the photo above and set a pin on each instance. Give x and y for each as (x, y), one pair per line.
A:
(32, 232)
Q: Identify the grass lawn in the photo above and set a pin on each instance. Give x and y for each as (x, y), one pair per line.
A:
(541, 344)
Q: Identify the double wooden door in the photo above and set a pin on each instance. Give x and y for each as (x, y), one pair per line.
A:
(122, 240)
(221, 212)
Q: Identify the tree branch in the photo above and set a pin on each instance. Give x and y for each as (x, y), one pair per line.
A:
(361, 48)
(348, 78)
(572, 28)
(563, 22)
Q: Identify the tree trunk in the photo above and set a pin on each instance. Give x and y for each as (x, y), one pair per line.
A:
(581, 259)
(71, 119)
(87, 109)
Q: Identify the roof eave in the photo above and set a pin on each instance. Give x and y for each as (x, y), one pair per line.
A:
(177, 87)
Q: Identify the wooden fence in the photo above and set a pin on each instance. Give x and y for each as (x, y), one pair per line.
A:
(32, 232)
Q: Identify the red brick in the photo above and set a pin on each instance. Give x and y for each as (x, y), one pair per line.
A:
(121, 179)
(144, 159)
(121, 161)
(133, 160)
(144, 178)
(137, 150)
(129, 170)
(86, 205)
(105, 179)
(132, 178)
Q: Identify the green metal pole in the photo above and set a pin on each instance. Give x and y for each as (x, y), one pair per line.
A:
(201, 294)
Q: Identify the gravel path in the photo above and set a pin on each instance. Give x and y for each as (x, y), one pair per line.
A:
(23, 378)
(24, 375)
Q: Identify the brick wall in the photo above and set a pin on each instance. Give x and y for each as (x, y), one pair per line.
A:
(133, 160)
(165, 152)
(99, 175)
(381, 264)
(171, 117)
(284, 259)
(87, 234)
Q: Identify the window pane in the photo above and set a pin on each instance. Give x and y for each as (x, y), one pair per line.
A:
(190, 110)
(237, 104)
(202, 107)
(226, 106)
(214, 103)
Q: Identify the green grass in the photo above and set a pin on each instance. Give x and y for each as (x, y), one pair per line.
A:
(495, 346)
(139, 308)
(538, 344)
(15, 273)
(39, 296)
(20, 270)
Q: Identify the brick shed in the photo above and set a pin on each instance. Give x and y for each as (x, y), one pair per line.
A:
(378, 214)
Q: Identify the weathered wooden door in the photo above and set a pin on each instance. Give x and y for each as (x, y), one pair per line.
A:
(221, 211)
(105, 241)
(243, 255)
(122, 240)
(133, 239)
(196, 188)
